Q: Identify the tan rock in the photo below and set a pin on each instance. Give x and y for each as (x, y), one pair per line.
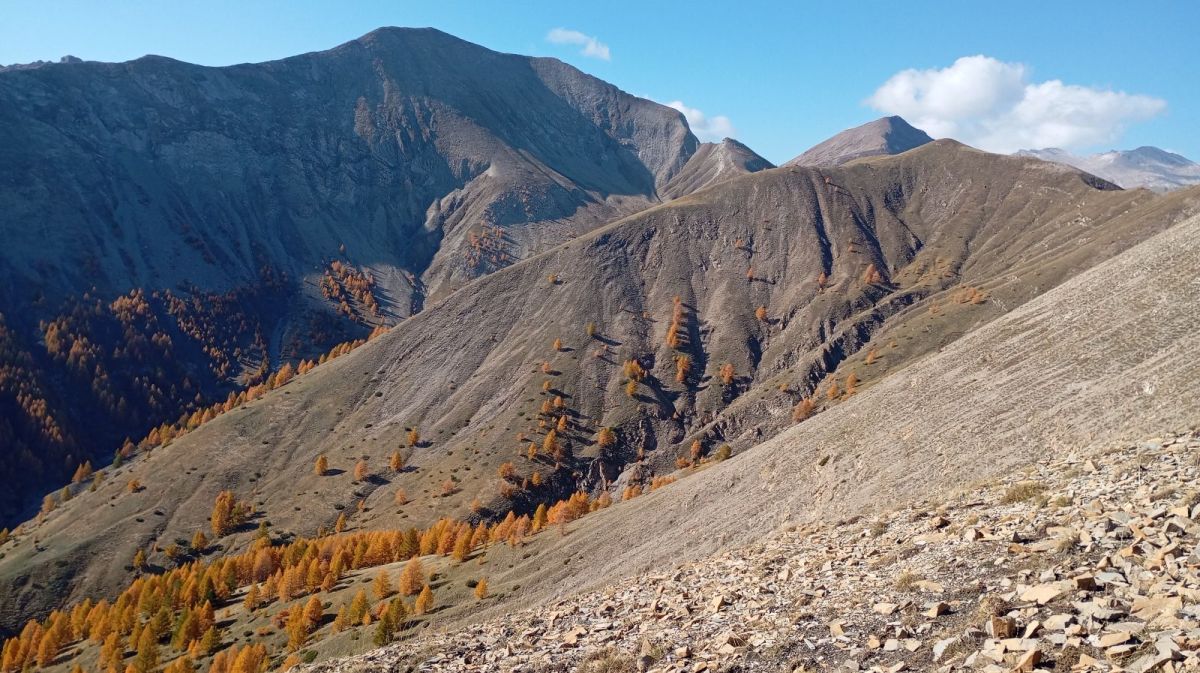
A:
(1001, 627)
(572, 637)
(1042, 593)
(728, 642)
(1115, 638)
(937, 610)
(1027, 661)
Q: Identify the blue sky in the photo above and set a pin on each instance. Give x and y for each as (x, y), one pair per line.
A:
(778, 76)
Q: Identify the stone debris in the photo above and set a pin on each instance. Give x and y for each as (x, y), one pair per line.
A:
(1097, 570)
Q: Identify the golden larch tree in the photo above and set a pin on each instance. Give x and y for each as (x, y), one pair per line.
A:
(412, 577)
(424, 601)
(727, 373)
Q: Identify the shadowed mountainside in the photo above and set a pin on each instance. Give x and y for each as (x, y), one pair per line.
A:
(287, 206)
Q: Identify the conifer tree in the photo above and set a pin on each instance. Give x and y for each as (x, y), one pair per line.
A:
(147, 652)
(851, 384)
(253, 598)
(412, 577)
(321, 466)
(358, 606)
(209, 641)
(297, 630)
(397, 611)
(360, 470)
(424, 601)
(313, 612)
(481, 589)
(803, 410)
(462, 548)
(539, 517)
(550, 443)
(82, 472)
(727, 373)
(396, 462)
(382, 586)
(683, 366)
(606, 437)
(383, 631)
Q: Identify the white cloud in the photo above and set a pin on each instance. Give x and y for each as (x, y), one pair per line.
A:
(708, 129)
(591, 46)
(992, 105)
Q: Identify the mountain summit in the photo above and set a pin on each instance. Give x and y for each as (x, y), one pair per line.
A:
(1146, 166)
(886, 135)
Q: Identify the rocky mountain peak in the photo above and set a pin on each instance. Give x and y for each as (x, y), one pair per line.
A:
(886, 135)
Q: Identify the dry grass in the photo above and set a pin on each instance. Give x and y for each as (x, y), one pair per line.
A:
(907, 580)
(607, 660)
(1163, 493)
(1022, 491)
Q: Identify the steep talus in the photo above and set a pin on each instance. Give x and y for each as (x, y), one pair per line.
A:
(1049, 565)
(1107, 356)
(900, 241)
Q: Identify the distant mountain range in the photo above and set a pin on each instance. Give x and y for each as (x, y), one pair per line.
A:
(1148, 167)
